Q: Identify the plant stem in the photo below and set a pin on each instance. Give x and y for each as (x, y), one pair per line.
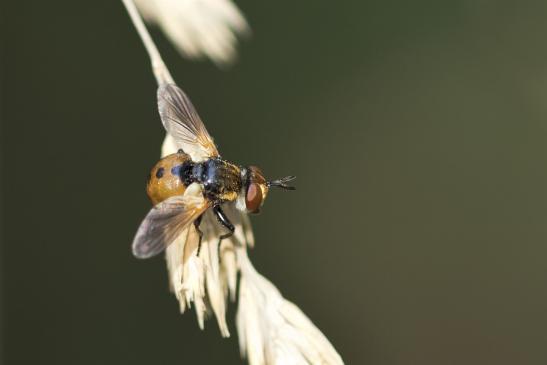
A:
(158, 66)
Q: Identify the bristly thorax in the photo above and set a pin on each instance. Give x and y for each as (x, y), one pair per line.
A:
(221, 179)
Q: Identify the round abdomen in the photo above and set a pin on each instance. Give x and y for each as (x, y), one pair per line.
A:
(165, 178)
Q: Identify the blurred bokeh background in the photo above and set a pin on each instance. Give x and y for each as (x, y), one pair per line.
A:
(417, 130)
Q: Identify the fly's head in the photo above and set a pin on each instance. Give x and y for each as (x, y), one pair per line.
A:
(256, 187)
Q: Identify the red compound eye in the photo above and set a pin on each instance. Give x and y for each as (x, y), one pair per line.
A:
(253, 198)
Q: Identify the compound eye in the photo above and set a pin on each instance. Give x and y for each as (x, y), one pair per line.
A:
(253, 198)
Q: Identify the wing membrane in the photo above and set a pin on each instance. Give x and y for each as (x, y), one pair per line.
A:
(165, 222)
(182, 121)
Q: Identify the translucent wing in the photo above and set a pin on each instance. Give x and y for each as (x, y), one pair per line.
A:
(165, 222)
(181, 121)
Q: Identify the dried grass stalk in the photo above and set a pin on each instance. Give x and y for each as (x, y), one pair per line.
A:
(272, 330)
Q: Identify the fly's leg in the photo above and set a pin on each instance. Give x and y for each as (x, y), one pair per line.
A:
(197, 222)
(223, 219)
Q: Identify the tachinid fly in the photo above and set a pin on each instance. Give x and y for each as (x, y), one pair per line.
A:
(198, 166)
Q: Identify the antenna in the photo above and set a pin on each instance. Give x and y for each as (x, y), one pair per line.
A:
(282, 183)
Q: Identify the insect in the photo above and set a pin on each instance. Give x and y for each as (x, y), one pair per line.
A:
(196, 165)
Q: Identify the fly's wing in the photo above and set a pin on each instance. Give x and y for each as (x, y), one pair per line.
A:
(181, 121)
(165, 222)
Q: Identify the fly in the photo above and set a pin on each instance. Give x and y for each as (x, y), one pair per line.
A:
(197, 166)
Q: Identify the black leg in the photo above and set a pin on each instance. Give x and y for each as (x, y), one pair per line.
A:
(223, 219)
(197, 222)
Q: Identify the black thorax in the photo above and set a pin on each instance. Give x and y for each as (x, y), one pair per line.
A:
(217, 176)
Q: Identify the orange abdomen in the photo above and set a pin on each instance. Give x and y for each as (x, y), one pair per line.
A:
(165, 181)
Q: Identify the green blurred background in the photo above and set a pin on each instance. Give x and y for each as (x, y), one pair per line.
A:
(417, 130)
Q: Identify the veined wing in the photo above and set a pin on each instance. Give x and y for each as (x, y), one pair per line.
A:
(165, 222)
(181, 121)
